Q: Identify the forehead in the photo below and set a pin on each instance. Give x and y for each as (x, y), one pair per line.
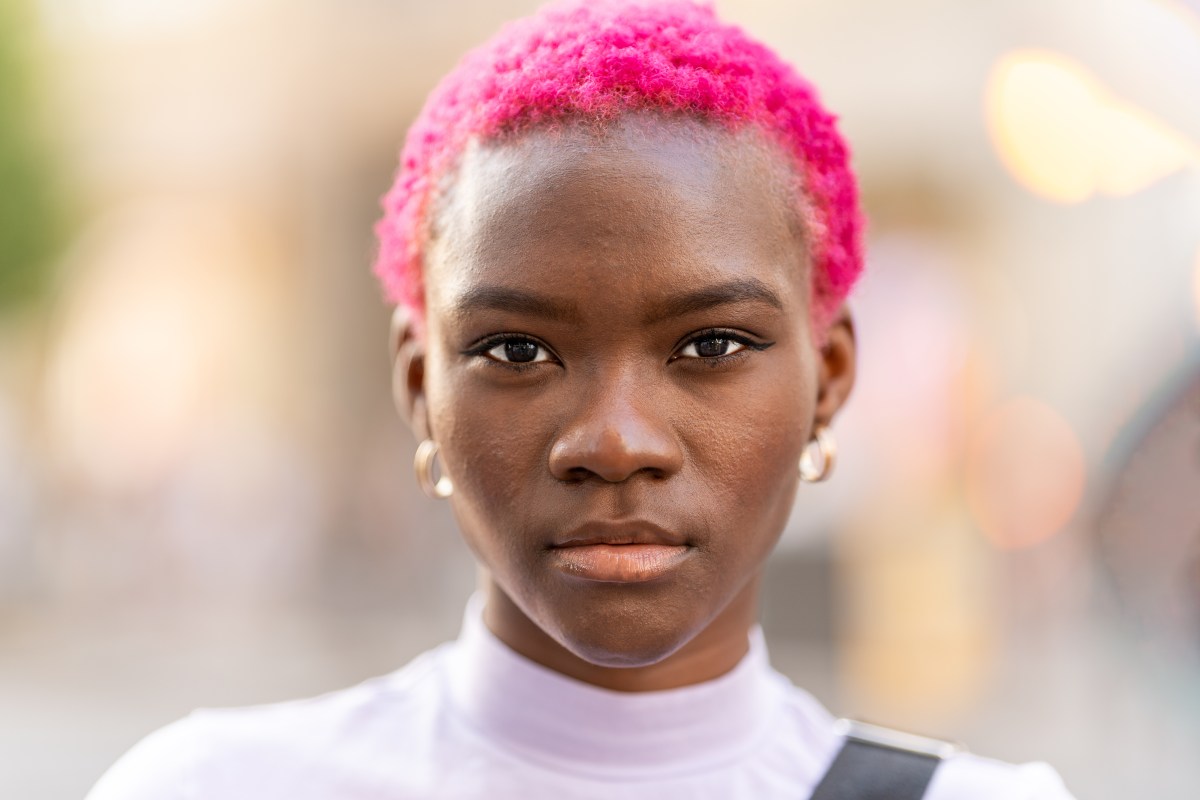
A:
(639, 205)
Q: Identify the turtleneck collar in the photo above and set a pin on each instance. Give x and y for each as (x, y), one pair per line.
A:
(547, 717)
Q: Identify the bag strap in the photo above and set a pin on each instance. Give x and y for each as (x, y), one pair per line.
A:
(881, 764)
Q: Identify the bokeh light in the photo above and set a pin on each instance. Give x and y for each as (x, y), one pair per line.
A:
(917, 632)
(1064, 136)
(1025, 474)
(1196, 285)
(155, 323)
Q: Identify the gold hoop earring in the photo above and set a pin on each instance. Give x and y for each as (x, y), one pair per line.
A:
(814, 470)
(423, 465)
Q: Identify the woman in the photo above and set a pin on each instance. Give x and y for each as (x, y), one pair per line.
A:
(620, 241)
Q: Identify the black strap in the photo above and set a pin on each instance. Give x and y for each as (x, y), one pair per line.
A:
(871, 770)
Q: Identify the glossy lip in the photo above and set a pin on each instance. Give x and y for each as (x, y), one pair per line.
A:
(620, 533)
(627, 552)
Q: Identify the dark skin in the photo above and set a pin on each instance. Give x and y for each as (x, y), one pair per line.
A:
(617, 334)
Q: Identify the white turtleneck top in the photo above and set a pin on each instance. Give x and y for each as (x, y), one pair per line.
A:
(473, 719)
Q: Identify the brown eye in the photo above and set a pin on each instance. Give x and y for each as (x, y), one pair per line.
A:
(518, 351)
(711, 347)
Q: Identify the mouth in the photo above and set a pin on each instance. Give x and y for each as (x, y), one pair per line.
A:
(625, 553)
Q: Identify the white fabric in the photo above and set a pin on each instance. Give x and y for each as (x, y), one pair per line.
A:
(472, 719)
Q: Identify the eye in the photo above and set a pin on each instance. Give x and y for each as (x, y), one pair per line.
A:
(516, 350)
(712, 345)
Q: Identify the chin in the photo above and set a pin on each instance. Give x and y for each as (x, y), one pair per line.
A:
(625, 631)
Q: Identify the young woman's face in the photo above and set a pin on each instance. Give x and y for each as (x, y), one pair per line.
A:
(619, 369)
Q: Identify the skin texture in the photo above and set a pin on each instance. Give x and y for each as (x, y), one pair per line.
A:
(655, 270)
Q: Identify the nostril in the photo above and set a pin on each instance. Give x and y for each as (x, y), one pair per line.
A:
(578, 475)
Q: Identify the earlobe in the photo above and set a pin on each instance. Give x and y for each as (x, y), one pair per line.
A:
(838, 366)
(408, 372)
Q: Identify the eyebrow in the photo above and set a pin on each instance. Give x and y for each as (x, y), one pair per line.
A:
(521, 301)
(744, 290)
(518, 301)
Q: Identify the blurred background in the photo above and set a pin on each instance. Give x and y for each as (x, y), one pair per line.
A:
(206, 498)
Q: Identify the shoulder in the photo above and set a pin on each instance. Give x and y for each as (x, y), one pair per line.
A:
(267, 751)
(968, 776)
(960, 777)
(160, 767)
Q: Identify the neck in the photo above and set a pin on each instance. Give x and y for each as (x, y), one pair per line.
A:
(714, 651)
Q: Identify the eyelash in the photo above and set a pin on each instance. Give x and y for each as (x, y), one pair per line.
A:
(482, 348)
(747, 343)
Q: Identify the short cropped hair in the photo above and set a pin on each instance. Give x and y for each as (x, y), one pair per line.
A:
(595, 61)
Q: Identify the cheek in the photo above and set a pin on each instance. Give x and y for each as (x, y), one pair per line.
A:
(497, 455)
(747, 457)
(491, 452)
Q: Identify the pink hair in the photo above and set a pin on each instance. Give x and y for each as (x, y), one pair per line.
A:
(596, 60)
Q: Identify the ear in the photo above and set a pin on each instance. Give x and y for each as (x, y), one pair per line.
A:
(838, 365)
(408, 371)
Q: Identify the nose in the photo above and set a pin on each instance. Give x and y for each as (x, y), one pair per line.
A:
(615, 434)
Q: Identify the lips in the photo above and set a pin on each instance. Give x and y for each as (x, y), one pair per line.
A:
(620, 553)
